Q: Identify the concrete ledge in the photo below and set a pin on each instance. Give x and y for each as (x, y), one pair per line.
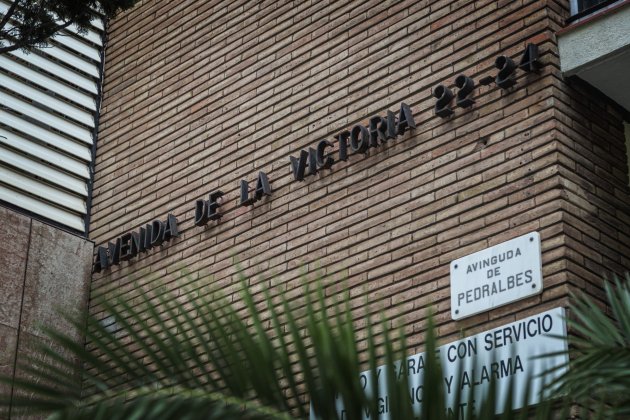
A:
(588, 42)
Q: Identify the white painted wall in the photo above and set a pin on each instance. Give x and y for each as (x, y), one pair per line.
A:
(598, 51)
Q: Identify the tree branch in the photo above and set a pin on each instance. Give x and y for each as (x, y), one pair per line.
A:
(60, 27)
(9, 13)
(31, 23)
(9, 48)
(25, 42)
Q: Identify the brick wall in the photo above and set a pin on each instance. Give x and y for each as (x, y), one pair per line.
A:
(198, 96)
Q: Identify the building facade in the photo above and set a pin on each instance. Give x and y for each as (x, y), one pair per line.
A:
(372, 143)
(198, 97)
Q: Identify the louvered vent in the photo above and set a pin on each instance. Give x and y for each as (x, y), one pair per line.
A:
(48, 103)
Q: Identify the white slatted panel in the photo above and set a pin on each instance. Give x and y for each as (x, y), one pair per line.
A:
(62, 72)
(61, 89)
(11, 140)
(44, 98)
(48, 101)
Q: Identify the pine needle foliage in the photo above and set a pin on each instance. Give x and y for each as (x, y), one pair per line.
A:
(26, 24)
(185, 355)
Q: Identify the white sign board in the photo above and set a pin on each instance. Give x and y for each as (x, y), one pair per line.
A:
(506, 353)
(496, 276)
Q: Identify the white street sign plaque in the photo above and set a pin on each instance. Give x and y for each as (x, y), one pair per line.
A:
(508, 354)
(496, 276)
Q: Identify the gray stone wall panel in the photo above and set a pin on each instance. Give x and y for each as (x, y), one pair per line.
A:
(57, 277)
(14, 231)
(8, 346)
(43, 269)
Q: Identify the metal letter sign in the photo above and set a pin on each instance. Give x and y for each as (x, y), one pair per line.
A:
(496, 276)
(131, 243)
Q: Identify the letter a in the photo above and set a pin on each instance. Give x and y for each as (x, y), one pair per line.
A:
(170, 228)
(101, 262)
(405, 119)
(262, 186)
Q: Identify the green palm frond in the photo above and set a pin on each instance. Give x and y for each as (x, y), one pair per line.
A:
(264, 356)
(166, 403)
(600, 366)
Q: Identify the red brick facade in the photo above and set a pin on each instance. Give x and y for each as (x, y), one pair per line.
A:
(198, 96)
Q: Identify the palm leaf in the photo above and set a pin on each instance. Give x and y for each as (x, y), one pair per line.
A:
(599, 370)
(259, 357)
